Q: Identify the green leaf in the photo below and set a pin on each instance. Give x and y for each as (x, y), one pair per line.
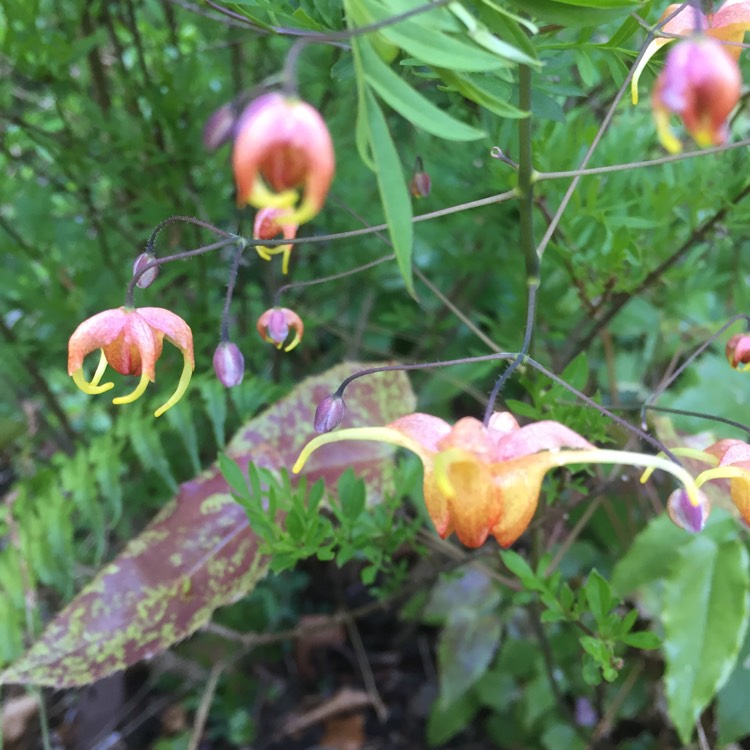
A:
(516, 564)
(705, 619)
(645, 639)
(392, 186)
(731, 703)
(435, 47)
(465, 649)
(233, 475)
(483, 90)
(598, 596)
(650, 555)
(446, 721)
(409, 103)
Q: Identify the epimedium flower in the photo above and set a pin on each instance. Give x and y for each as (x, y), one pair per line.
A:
(702, 84)
(732, 461)
(130, 341)
(728, 24)
(738, 351)
(274, 324)
(269, 223)
(728, 459)
(282, 144)
(485, 480)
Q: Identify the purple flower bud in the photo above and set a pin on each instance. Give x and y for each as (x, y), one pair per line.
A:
(329, 413)
(148, 277)
(684, 514)
(220, 127)
(229, 364)
(420, 185)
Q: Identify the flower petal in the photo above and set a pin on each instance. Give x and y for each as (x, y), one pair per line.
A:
(538, 436)
(473, 505)
(423, 429)
(95, 333)
(176, 330)
(518, 483)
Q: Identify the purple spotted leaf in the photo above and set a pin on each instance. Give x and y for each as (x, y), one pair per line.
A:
(200, 553)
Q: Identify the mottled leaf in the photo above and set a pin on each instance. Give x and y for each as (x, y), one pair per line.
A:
(200, 553)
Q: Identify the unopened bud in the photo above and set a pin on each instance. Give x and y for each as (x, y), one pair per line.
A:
(738, 351)
(147, 277)
(329, 413)
(420, 184)
(220, 127)
(684, 514)
(229, 364)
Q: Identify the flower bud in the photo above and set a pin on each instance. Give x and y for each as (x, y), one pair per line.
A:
(229, 364)
(329, 413)
(273, 327)
(684, 514)
(220, 127)
(420, 184)
(148, 277)
(702, 84)
(738, 351)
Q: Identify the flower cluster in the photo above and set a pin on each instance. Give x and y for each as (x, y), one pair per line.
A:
(281, 146)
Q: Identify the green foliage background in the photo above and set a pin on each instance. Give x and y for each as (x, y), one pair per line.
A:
(102, 106)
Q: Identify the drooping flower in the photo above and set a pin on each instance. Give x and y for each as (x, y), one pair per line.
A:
(728, 459)
(130, 341)
(481, 481)
(282, 144)
(728, 24)
(269, 223)
(738, 351)
(273, 327)
(229, 364)
(702, 84)
(733, 463)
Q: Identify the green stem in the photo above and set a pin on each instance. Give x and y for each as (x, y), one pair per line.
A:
(525, 190)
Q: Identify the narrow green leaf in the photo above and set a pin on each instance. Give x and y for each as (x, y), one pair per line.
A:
(409, 103)
(705, 619)
(392, 186)
(644, 639)
(436, 47)
(480, 90)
